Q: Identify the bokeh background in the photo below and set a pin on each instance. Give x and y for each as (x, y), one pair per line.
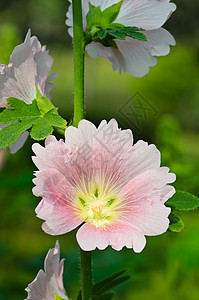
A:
(161, 108)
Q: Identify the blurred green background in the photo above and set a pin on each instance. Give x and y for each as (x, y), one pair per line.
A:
(161, 108)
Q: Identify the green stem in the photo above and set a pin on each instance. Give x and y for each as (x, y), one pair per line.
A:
(86, 275)
(79, 48)
(60, 130)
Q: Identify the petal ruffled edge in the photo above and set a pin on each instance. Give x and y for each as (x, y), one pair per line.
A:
(117, 236)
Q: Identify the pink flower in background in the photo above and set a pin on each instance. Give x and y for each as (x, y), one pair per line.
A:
(49, 283)
(29, 67)
(131, 55)
(98, 179)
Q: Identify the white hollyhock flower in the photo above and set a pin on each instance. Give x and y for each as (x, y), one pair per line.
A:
(28, 67)
(48, 284)
(131, 55)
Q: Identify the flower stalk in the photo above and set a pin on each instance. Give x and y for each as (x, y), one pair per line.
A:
(79, 47)
(86, 274)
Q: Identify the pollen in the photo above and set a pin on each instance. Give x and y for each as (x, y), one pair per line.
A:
(97, 207)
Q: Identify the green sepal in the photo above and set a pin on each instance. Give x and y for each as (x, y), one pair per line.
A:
(183, 201)
(176, 223)
(111, 12)
(121, 33)
(95, 17)
(23, 116)
(100, 26)
(43, 103)
(58, 297)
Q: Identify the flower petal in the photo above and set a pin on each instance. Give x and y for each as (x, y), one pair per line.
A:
(167, 193)
(116, 161)
(44, 63)
(114, 56)
(59, 220)
(49, 281)
(57, 205)
(19, 143)
(159, 41)
(147, 187)
(19, 79)
(143, 201)
(47, 157)
(49, 86)
(81, 136)
(136, 58)
(117, 236)
(38, 288)
(53, 265)
(131, 56)
(147, 14)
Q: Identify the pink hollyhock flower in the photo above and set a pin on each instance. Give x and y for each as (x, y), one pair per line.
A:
(98, 179)
(29, 66)
(131, 55)
(48, 284)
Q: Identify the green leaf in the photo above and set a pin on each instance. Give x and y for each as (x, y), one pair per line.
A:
(107, 296)
(41, 129)
(24, 116)
(54, 119)
(176, 223)
(108, 283)
(101, 288)
(11, 133)
(183, 201)
(20, 111)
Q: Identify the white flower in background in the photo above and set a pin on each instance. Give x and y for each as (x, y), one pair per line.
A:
(132, 55)
(28, 67)
(48, 284)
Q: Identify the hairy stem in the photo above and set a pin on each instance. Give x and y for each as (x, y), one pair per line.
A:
(86, 275)
(79, 48)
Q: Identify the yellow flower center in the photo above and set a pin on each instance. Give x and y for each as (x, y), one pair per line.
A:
(96, 206)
